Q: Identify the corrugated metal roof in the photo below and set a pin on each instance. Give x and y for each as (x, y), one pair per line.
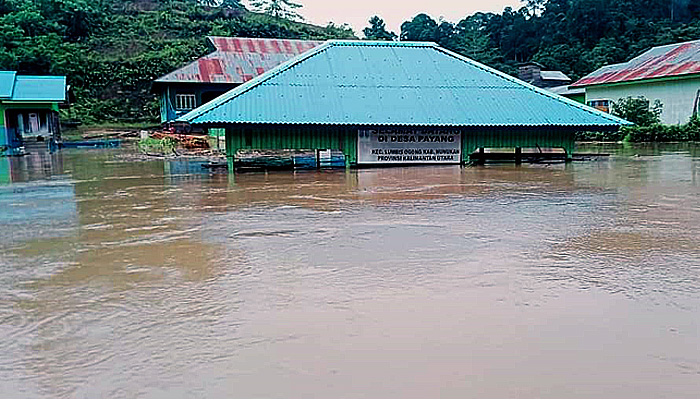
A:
(39, 88)
(565, 90)
(7, 83)
(660, 62)
(15, 87)
(392, 83)
(238, 60)
(554, 76)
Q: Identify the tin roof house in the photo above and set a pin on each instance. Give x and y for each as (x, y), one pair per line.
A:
(533, 74)
(393, 103)
(556, 82)
(233, 62)
(29, 109)
(668, 73)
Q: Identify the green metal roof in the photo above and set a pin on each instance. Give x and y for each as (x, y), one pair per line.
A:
(39, 88)
(15, 87)
(393, 83)
(7, 83)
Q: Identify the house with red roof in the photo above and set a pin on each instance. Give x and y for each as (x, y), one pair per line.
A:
(668, 73)
(234, 61)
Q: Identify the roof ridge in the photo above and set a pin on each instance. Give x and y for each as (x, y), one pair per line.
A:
(259, 38)
(385, 43)
(212, 41)
(674, 44)
(41, 76)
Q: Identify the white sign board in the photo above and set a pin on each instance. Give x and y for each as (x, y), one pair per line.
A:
(409, 146)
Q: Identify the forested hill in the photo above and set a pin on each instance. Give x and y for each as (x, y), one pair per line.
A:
(574, 36)
(111, 50)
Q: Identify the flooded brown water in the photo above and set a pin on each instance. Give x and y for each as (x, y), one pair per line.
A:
(154, 279)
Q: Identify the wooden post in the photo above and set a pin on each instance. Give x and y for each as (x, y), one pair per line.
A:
(518, 155)
(231, 171)
(231, 164)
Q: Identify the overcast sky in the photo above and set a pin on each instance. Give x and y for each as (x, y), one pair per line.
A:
(394, 12)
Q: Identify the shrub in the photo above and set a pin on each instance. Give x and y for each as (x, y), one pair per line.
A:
(159, 146)
(638, 110)
(649, 133)
(600, 136)
(663, 133)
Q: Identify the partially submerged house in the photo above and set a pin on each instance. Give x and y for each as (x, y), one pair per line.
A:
(669, 73)
(556, 82)
(394, 103)
(233, 61)
(29, 108)
(533, 73)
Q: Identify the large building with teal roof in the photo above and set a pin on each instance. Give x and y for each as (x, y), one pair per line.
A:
(394, 103)
(29, 108)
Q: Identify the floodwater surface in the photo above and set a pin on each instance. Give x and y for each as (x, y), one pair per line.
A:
(158, 279)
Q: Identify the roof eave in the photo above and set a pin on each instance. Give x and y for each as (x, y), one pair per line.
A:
(29, 101)
(576, 127)
(635, 81)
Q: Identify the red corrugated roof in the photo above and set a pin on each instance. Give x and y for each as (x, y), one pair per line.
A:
(238, 60)
(660, 62)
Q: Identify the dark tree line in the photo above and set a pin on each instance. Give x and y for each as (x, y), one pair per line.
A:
(575, 36)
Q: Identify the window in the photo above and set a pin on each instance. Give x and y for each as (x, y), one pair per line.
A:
(602, 105)
(185, 101)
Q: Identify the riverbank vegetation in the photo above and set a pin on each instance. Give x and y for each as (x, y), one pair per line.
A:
(160, 147)
(648, 127)
(689, 132)
(111, 50)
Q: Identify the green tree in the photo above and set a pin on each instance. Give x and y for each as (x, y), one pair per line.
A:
(472, 41)
(377, 30)
(333, 31)
(421, 28)
(638, 110)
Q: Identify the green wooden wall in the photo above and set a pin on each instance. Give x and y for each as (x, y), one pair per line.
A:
(344, 138)
(281, 137)
(3, 132)
(523, 137)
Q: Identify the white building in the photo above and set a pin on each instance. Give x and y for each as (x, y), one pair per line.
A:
(669, 73)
